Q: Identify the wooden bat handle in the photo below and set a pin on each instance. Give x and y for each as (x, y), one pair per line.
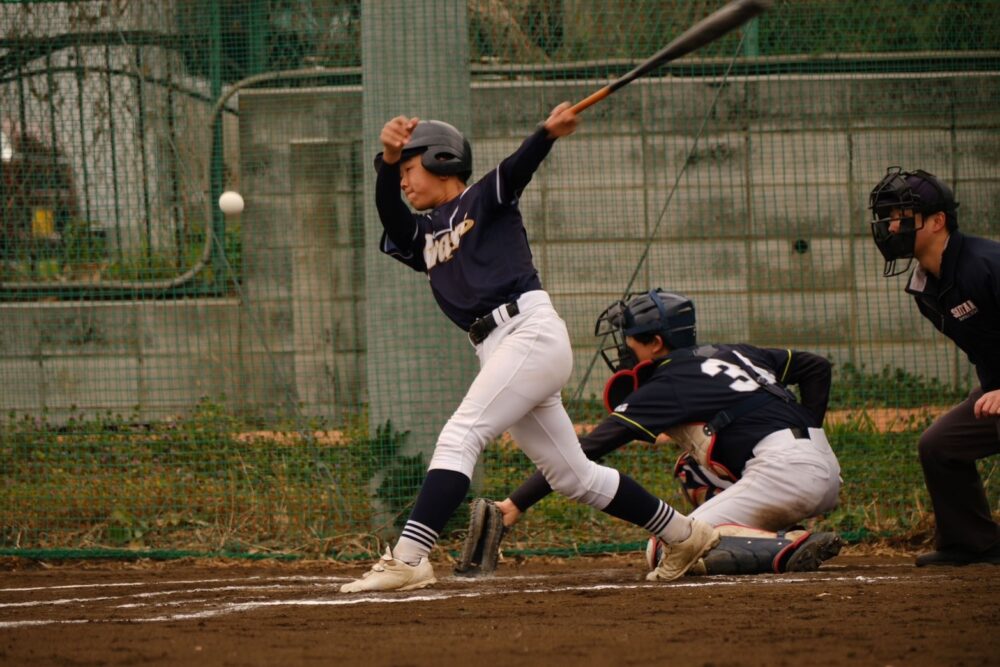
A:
(592, 99)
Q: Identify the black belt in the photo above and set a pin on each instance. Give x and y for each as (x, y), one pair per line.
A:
(800, 432)
(485, 325)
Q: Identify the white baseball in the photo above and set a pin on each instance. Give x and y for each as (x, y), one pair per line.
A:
(231, 202)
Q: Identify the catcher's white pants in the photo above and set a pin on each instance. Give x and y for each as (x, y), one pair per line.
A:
(524, 364)
(788, 480)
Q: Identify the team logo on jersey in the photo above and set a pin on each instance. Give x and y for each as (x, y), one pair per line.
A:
(441, 249)
(964, 311)
(622, 408)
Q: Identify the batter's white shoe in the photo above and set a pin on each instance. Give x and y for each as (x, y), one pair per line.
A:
(680, 556)
(389, 574)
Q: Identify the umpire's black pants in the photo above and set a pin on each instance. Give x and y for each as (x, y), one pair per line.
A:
(949, 450)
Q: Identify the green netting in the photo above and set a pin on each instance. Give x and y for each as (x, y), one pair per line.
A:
(179, 381)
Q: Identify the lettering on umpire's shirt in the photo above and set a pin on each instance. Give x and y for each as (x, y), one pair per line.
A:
(443, 248)
(964, 311)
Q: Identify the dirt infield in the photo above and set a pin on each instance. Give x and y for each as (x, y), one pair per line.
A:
(857, 610)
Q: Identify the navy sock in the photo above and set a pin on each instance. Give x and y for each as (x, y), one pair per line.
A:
(440, 495)
(636, 505)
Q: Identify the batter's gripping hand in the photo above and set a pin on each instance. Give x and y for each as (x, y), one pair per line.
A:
(561, 122)
(482, 543)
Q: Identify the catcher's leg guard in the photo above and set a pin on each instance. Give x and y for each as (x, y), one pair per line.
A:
(482, 543)
(796, 552)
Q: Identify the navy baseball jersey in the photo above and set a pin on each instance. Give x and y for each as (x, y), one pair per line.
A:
(964, 303)
(474, 249)
(688, 387)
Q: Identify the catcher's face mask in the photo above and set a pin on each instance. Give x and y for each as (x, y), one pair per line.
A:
(609, 328)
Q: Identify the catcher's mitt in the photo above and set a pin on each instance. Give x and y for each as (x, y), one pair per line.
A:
(482, 543)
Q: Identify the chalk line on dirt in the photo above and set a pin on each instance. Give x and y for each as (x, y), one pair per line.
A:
(391, 597)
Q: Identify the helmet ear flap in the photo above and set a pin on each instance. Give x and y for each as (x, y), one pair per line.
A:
(445, 150)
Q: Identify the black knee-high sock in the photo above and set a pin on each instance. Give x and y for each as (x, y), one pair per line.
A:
(440, 495)
(636, 505)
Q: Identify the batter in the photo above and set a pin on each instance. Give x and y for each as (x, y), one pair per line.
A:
(472, 246)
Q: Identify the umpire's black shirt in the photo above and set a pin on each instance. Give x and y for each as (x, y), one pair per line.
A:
(964, 303)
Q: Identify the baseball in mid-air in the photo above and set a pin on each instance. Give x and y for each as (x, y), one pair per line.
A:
(231, 202)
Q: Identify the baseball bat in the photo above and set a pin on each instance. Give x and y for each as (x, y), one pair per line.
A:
(709, 29)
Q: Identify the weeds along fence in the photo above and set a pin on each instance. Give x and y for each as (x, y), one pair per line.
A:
(178, 381)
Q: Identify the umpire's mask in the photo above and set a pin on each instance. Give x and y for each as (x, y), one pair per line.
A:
(900, 196)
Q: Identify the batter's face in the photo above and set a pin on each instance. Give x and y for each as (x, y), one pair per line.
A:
(423, 189)
(647, 351)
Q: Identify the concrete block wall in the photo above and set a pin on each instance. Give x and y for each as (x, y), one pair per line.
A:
(302, 249)
(766, 228)
(151, 359)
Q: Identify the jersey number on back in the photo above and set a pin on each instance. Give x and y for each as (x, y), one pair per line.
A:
(741, 381)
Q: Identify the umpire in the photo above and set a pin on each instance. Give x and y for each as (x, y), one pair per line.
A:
(956, 285)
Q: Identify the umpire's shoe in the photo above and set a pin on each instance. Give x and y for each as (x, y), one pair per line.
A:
(680, 556)
(959, 557)
(389, 574)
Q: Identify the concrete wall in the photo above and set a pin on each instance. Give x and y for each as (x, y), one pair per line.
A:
(765, 230)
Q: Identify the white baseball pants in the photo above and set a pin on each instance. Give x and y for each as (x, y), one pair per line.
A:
(788, 480)
(524, 364)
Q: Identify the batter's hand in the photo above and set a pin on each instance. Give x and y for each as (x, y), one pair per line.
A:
(395, 135)
(561, 122)
(988, 405)
(511, 514)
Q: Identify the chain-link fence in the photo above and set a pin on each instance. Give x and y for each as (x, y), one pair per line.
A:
(177, 379)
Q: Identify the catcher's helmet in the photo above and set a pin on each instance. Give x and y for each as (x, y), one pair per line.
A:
(665, 314)
(918, 192)
(445, 150)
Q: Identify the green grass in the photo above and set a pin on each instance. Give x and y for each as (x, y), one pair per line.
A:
(212, 483)
(855, 387)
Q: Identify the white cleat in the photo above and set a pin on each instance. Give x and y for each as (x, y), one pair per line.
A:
(678, 557)
(389, 574)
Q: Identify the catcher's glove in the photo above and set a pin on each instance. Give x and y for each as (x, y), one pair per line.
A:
(482, 543)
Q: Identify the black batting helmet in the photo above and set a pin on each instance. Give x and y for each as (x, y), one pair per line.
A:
(656, 312)
(445, 150)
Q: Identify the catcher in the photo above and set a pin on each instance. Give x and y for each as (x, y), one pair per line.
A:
(755, 461)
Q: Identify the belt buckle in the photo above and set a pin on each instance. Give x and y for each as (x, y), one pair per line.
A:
(480, 329)
(474, 332)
